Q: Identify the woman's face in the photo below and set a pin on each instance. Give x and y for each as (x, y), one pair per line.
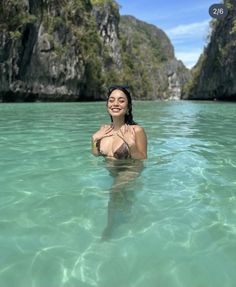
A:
(117, 104)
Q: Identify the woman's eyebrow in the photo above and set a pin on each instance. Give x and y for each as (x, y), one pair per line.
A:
(123, 98)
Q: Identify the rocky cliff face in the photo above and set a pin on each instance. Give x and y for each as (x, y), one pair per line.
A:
(215, 73)
(52, 53)
(149, 61)
(107, 21)
(72, 50)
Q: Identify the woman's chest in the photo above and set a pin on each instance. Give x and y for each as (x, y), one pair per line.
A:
(109, 145)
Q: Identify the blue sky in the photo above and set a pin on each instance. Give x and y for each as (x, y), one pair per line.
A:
(186, 23)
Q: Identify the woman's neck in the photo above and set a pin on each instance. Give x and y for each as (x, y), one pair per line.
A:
(118, 123)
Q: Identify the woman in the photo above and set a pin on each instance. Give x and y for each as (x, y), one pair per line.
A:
(123, 138)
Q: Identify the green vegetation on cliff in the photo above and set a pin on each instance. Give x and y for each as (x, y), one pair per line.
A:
(214, 75)
(65, 25)
(114, 5)
(145, 52)
(75, 49)
(14, 15)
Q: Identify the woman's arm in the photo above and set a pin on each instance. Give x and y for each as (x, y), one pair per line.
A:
(139, 150)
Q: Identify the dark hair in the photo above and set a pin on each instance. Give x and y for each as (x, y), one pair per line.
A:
(128, 118)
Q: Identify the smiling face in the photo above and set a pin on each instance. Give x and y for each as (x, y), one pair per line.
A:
(117, 104)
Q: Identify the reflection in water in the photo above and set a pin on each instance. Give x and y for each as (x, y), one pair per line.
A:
(124, 173)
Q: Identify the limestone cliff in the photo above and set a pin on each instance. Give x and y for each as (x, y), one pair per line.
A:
(72, 50)
(149, 61)
(215, 73)
(49, 50)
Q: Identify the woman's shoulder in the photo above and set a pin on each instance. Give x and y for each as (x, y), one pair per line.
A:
(138, 128)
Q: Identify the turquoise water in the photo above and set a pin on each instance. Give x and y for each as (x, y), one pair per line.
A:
(70, 219)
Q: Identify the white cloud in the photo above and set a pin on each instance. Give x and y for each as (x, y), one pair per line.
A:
(188, 30)
(189, 41)
(189, 58)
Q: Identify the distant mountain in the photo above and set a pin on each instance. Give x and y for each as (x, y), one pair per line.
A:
(149, 62)
(214, 76)
(73, 50)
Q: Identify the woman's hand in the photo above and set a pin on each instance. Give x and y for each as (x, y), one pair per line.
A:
(105, 131)
(128, 134)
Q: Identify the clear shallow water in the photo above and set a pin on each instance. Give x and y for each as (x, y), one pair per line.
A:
(70, 219)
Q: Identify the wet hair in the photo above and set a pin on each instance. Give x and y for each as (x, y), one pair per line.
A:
(128, 117)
